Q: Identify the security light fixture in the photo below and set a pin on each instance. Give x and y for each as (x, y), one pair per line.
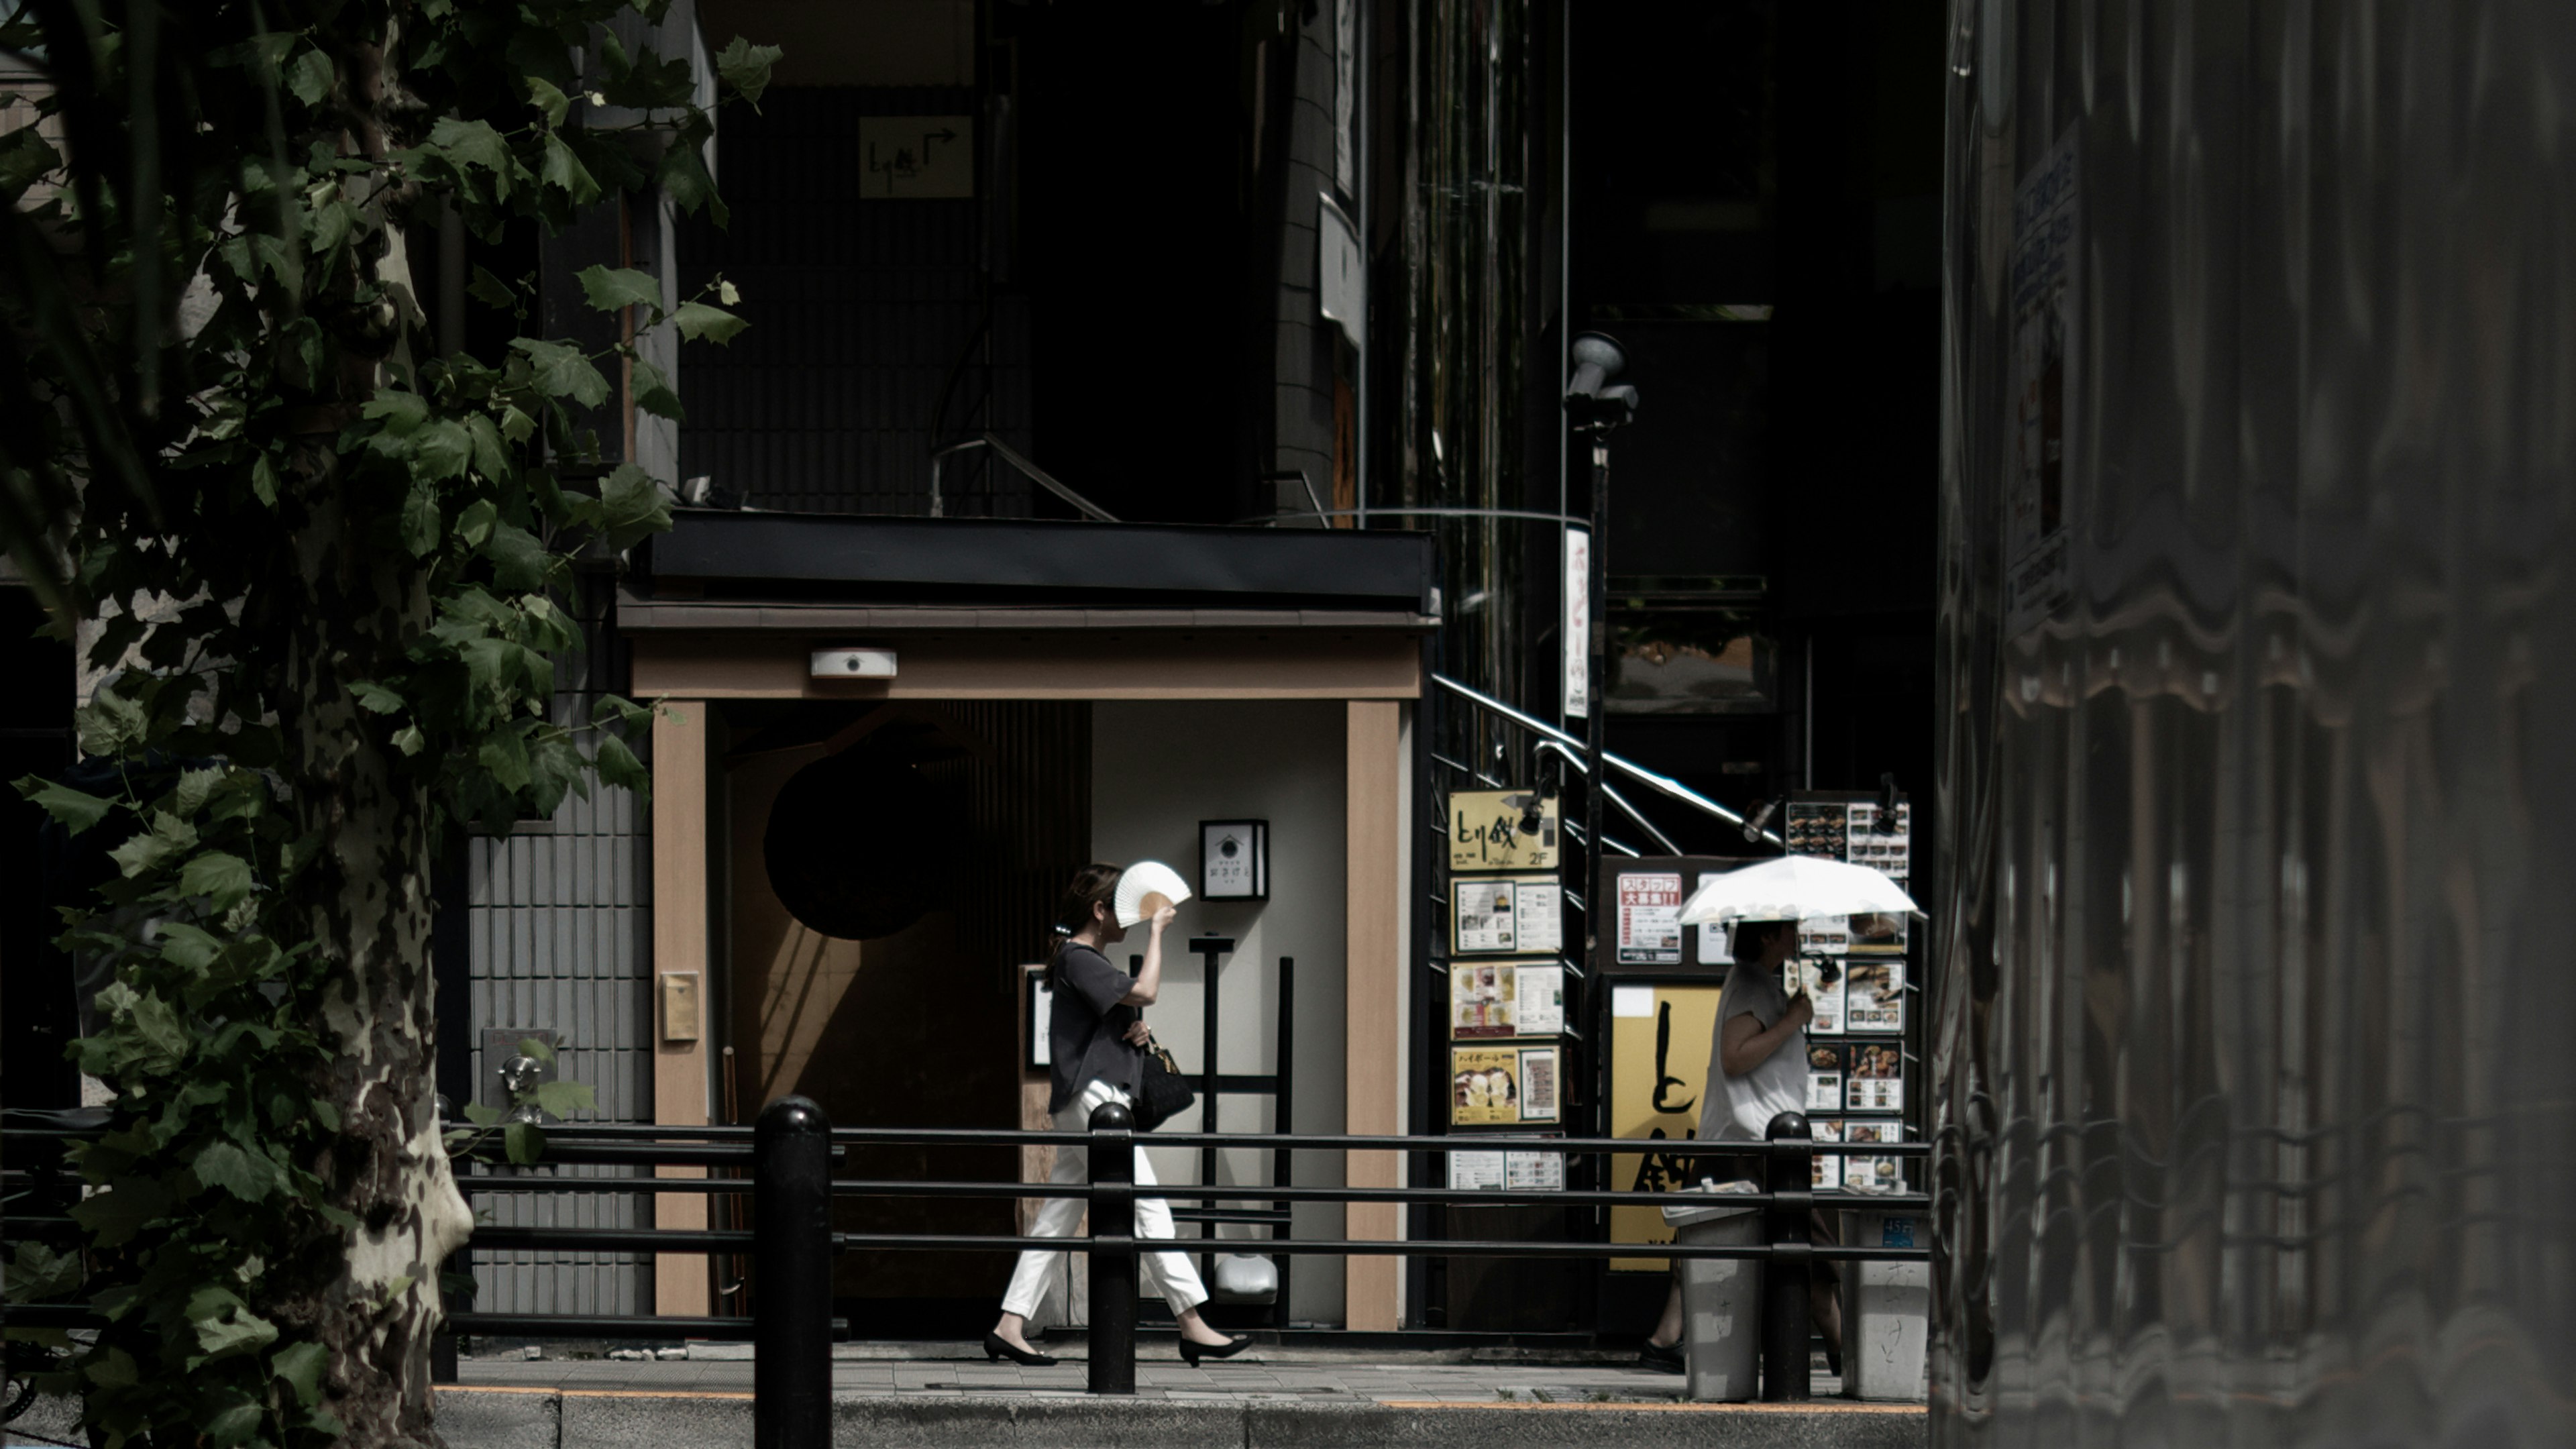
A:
(1591, 403)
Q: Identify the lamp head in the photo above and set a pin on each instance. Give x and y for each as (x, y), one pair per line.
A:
(1597, 359)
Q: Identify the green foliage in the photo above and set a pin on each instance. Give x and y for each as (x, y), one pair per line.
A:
(331, 567)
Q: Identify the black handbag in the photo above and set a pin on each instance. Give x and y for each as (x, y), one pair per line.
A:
(1162, 1093)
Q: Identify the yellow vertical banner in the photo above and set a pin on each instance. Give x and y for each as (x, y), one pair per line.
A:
(1659, 1051)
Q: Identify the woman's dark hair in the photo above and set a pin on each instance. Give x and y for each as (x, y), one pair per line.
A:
(1093, 885)
(1749, 935)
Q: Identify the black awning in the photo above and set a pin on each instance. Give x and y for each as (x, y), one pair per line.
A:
(858, 557)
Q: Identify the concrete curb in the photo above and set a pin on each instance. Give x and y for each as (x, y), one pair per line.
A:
(470, 1418)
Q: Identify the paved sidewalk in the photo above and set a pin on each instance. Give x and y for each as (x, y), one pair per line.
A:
(1302, 1373)
(946, 1396)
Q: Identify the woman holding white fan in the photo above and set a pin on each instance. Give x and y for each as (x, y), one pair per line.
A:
(1095, 1047)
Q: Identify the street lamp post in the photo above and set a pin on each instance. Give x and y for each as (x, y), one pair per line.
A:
(1593, 408)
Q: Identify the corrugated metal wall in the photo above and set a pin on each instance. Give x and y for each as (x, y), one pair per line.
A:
(860, 311)
(2253, 1096)
(561, 924)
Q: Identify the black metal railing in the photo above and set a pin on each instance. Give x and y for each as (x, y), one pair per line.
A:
(791, 1244)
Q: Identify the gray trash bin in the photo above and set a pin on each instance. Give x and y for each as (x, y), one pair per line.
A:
(1886, 1307)
(1721, 1297)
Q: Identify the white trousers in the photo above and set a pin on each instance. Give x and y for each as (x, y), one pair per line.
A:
(1169, 1273)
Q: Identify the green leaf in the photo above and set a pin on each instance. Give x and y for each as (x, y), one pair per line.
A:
(326, 1114)
(745, 67)
(610, 289)
(491, 291)
(442, 449)
(684, 178)
(518, 560)
(420, 523)
(524, 1141)
(234, 1424)
(653, 393)
(187, 947)
(481, 1115)
(25, 158)
(562, 1099)
(558, 369)
(376, 698)
(474, 143)
(408, 739)
(537, 1047)
(225, 1325)
(549, 99)
(244, 1175)
(491, 455)
(631, 507)
(309, 77)
(219, 874)
(76, 811)
(505, 758)
(109, 723)
(697, 319)
(37, 1272)
(402, 411)
(196, 787)
(141, 852)
(113, 1217)
(116, 1371)
(264, 479)
(564, 171)
(619, 767)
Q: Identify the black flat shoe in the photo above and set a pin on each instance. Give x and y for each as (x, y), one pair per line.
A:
(996, 1348)
(1664, 1360)
(1192, 1350)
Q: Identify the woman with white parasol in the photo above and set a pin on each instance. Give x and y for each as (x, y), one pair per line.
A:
(1757, 1059)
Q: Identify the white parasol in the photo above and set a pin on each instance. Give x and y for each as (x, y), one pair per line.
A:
(1796, 888)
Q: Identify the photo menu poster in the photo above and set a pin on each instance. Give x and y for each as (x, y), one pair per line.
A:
(1484, 1086)
(1483, 999)
(1821, 977)
(1874, 996)
(1506, 915)
(1827, 1064)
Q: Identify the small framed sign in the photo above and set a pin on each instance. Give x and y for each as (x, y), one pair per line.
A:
(1234, 860)
(1041, 998)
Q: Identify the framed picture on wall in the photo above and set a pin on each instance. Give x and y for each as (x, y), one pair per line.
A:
(1041, 1017)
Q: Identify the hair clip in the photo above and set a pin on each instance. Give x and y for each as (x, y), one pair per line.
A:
(1061, 929)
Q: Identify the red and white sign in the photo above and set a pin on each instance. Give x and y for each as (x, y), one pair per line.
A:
(1650, 919)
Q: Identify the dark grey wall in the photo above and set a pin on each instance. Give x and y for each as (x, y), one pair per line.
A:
(2253, 1013)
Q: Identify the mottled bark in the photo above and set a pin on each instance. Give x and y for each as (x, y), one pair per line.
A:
(350, 605)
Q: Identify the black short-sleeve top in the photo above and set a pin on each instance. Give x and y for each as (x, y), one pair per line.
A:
(1086, 1038)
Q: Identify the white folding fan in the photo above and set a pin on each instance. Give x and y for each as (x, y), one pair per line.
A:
(1147, 887)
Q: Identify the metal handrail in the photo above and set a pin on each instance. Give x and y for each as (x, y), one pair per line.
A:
(1660, 783)
(1035, 474)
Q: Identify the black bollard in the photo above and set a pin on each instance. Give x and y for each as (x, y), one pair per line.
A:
(1790, 1179)
(791, 1294)
(1113, 1250)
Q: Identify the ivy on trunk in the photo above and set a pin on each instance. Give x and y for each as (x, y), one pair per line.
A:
(328, 567)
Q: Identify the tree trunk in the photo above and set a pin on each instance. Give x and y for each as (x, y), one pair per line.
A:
(365, 902)
(354, 604)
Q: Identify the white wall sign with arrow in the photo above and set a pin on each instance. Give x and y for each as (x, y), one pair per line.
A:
(906, 158)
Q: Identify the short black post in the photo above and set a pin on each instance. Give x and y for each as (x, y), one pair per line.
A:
(1790, 1179)
(791, 1217)
(1113, 1250)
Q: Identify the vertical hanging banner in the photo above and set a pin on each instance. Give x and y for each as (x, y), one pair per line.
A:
(2047, 308)
(1575, 698)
